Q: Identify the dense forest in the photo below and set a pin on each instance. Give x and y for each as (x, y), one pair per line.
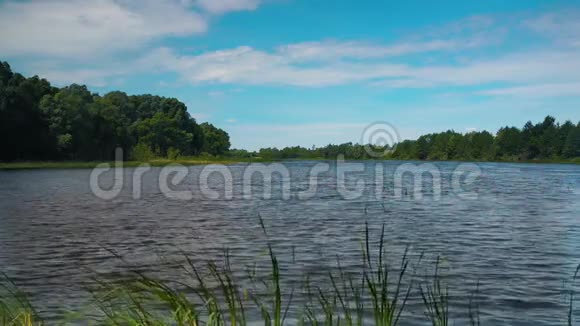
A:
(546, 140)
(42, 122)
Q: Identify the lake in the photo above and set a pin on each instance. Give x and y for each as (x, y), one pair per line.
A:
(514, 228)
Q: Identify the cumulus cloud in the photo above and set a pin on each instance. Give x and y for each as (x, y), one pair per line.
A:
(78, 27)
(69, 28)
(546, 71)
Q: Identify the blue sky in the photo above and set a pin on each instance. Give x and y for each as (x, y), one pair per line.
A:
(289, 72)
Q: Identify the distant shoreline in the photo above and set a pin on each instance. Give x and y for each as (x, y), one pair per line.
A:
(35, 165)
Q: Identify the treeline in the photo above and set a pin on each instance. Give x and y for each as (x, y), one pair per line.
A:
(41, 122)
(546, 140)
(348, 150)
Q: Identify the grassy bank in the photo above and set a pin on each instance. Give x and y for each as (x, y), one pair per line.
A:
(90, 165)
(212, 294)
(211, 160)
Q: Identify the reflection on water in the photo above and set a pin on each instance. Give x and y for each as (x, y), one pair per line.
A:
(520, 238)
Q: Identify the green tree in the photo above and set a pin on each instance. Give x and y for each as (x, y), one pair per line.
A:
(23, 128)
(142, 152)
(509, 142)
(111, 124)
(481, 145)
(39, 121)
(571, 148)
(216, 141)
(530, 135)
(423, 147)
(563, 133)
(68, 113)
(548, 138)
(161, 132)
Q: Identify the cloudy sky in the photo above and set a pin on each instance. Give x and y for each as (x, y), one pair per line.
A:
(291, 72)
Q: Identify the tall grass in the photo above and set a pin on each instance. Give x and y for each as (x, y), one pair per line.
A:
(15, 309)
(436, 299)
(213, 295)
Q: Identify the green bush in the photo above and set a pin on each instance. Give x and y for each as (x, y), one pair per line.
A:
(173, 153)
(142, 152)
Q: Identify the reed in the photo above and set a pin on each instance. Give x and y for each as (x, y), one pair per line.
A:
(15, 309)
(212, 294)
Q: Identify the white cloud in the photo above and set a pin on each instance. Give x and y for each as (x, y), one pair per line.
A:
(324, 50)
(97, 75)
(562, 27)
(563, 66)
(333, 62)
(72, 28)
(78, 27)
(468, 33)
(540, 90)
(224, 6)
(246, 65)
(89, 77)
(306, 64)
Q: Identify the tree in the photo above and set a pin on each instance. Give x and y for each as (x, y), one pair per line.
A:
(548, 138)
(68, 115)
(509, 142)
(563, 133)
(530, 135)
(424, 146)
(161, 132)
(571, 147)
(482, 145)
(23, 128)
(406, 150)
(111, 124)
(40, 122)
(216, 141)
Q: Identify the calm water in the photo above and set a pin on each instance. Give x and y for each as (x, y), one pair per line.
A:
(518, 233)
